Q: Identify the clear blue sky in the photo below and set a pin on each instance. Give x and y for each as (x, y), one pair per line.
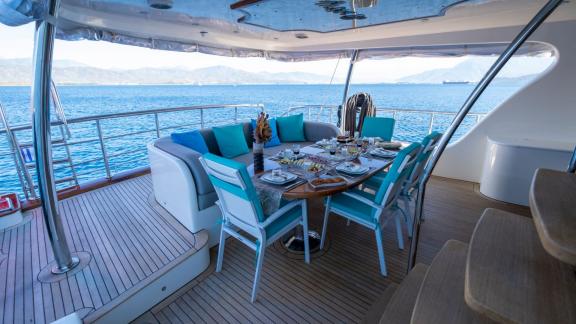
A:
(17, 42)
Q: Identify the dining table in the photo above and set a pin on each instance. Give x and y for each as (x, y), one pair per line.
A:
(302, 189)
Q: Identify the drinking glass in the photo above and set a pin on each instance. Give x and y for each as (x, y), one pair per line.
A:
(296, 149)
(332, 149)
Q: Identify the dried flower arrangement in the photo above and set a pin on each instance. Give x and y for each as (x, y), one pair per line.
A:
(262, 132)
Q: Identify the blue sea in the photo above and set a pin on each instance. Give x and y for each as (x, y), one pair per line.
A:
(79, 101)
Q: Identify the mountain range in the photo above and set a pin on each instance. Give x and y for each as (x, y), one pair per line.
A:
(517, 70)
(19, 72)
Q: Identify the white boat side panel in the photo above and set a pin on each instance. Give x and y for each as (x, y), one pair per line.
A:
(541, 114)
(175, 191)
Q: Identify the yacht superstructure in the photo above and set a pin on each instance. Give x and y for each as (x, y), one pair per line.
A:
(142, 247)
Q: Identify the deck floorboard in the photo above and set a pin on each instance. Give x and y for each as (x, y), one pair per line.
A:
(127, 238)
(341, 284)
(130, 238)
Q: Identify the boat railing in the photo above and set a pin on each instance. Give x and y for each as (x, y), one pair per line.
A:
(96, 134)
(101, 134)
(329, 113)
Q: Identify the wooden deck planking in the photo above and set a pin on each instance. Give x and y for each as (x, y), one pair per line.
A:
(338, 286)
(127, 238)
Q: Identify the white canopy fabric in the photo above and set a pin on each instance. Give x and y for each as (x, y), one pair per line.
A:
(257, 23)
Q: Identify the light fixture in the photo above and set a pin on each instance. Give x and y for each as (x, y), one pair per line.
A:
(160, 4)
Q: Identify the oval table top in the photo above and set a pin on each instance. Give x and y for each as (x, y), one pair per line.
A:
(305, 191)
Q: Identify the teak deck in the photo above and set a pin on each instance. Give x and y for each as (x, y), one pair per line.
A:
(339, 285)
(129, 240)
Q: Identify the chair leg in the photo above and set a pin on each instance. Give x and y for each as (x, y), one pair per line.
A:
(399, 235)
(325, 223)
(407, 215)
(305, 232)
(223, 235)
(259, 262)
(380, 245)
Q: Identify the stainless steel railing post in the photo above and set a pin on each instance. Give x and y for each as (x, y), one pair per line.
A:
(157, 125)
(201, 118)
(103, 149)
(431, 124)
(353, 59)
(524, 34)
(43, 49)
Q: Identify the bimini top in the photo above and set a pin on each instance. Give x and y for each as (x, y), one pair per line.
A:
(295, 30)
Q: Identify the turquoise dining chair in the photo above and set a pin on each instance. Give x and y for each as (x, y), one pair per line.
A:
(412, 182)
(368, 209)
(378, 127)
(242, 210)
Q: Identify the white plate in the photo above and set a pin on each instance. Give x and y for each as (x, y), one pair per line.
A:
(292, 156)
(383, 153)
(279, 180)
(323, 143)
(355, 169)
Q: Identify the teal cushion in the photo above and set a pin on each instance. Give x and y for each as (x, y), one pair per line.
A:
(231, 140)
(291, 128)
(274, 140)
(354, 207)
(378, 127)
(282, 221)
(193, 140)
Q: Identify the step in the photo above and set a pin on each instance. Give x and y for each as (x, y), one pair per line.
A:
(375, 312)
(553, 205)
(511, 278)
(441, 297)
(399, 309)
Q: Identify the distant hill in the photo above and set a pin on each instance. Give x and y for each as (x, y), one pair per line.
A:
(472, 70)
(19, 72)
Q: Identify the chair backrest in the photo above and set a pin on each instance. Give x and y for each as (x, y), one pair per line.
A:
(429, 143)
(391, 186)
(236, 193)
(378, 127)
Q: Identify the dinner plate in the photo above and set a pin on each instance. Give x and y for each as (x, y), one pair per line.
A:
(284, 178)
(354, 169)
(383, 153)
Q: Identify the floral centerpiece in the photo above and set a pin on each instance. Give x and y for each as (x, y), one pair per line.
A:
(262, 134)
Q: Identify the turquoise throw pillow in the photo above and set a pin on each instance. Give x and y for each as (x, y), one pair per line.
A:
(193, 140)
(275, 140)
(231, 140)
(291, 128)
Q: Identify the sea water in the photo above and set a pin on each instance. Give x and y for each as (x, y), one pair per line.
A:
(129, 152)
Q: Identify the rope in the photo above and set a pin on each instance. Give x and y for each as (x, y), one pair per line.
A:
(358, 103)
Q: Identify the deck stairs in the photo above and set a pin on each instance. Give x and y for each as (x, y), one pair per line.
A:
(514, 270)
(23, 152)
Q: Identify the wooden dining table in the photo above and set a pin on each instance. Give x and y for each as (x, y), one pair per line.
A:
(294, 242)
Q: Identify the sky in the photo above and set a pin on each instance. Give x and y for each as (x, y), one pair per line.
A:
(17, 42)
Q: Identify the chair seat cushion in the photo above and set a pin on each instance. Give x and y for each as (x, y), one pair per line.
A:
(279, 224)
(353, 207)
(231, 140)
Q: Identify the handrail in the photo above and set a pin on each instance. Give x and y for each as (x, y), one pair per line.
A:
(515, 44)
(393, 111)
(137, 113)
(101, 139)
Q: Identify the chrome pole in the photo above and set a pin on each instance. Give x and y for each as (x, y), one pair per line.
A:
(572, 165)
(353, 59)
(43, 48)
(524, 34)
